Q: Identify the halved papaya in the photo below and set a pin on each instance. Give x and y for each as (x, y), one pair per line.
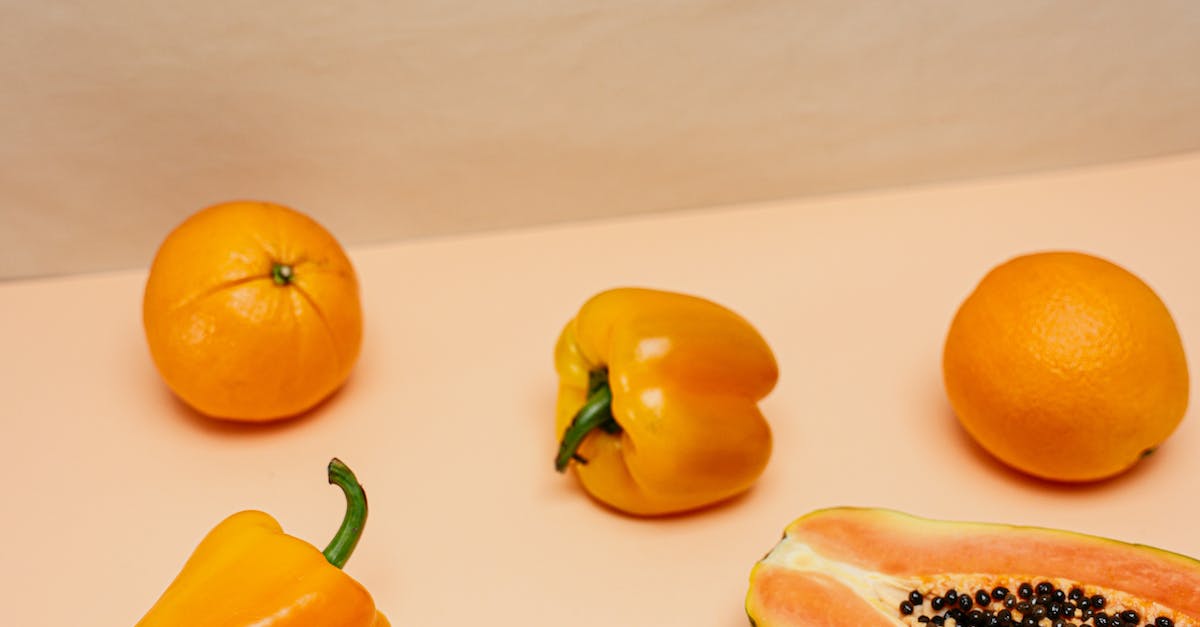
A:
(882, 568)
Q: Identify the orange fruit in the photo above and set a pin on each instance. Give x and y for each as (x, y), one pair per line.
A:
(252, 312)
(1065, 366)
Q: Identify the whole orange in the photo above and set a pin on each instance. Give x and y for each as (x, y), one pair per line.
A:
(252, 312)
(1065, 366)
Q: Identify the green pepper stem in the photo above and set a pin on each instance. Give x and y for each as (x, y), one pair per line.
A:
(346, 538)
(595, 413)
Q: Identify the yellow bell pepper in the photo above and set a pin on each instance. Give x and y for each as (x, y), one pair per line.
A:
(247, 572)
(658, 401)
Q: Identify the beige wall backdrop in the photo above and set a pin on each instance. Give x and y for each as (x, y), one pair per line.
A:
(389, 120)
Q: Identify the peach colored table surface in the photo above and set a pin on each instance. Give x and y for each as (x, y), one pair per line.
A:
(448, 417)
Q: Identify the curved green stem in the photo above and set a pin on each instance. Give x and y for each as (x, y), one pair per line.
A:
(346, 538)
(281, 273)
(596, 413)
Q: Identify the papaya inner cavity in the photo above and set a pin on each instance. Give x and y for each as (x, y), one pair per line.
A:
(982, 600)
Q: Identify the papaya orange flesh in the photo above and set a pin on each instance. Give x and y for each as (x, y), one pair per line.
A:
(879, 568)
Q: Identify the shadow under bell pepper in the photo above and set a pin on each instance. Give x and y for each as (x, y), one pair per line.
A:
(247, 572)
